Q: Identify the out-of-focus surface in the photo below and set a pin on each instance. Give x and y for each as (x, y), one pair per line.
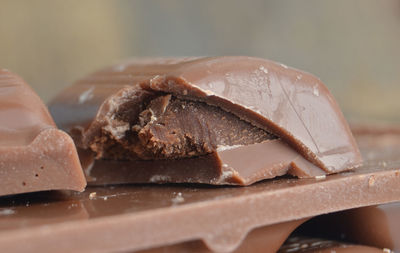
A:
(353, 46)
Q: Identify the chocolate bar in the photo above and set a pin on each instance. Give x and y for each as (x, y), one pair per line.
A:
(217, 219)
(34, 154)
(124, 218)
(217, 120)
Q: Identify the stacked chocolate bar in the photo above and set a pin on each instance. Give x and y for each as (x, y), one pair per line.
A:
(166, 145)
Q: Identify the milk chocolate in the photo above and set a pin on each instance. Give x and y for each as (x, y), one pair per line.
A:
(267, 239)
(377, 226)
(134, 218)
(34, 154)
(130, 218)
(217, 120)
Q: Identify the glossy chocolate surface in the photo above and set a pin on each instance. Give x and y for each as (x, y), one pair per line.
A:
(377, 226)
(267, 239)
(123, 218)
(292, 105)
(34, 154)
(242, 165)
(22, 114)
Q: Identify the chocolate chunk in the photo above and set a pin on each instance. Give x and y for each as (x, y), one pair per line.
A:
(34, 154)
(236, 120)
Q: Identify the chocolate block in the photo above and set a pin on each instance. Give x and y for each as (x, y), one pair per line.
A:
(130, 218)
(221, 120)
(34, 154)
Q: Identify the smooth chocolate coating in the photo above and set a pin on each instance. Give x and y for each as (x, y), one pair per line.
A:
(34, 154)
(290, 104)
(243, 165)
(22, 114)
(377, 226)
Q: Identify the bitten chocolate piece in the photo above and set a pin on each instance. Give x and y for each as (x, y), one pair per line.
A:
(34, 154)
(221, 120)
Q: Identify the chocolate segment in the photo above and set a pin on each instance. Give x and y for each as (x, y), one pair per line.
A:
(193, 109)
(377, 226)
(241, 165)
(34, 154)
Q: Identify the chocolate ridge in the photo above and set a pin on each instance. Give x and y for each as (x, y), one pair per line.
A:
(34, 155)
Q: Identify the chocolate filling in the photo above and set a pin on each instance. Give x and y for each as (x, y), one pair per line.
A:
(167, 127)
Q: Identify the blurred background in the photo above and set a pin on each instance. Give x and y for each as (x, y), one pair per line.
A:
(352, 45)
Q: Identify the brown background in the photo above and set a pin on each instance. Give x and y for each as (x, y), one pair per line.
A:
(353, 46)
